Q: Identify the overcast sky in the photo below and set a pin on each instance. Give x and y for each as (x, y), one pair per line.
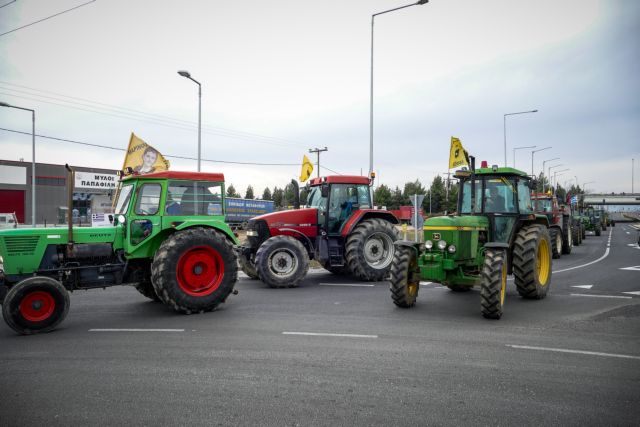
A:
(279, 77)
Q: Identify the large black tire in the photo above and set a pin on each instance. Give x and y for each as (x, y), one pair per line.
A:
(404, 277)
(146, 289)
(194, 270)
(575, 235)
(282, 262)
(369, 249)
(567, 239)
(494, 283)
(584, 231)
(460, 288)
(532, 261)
(598, 230)
(555, 234)
(248, 266)
(34, 305)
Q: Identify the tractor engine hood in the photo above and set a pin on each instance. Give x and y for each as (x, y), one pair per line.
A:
(292, 218)
(452, 223)
(461, 232)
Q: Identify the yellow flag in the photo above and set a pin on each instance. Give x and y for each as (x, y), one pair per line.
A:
(457, 156)
(307, 169)
(143, 158)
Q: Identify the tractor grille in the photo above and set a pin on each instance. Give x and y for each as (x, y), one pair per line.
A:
(21, 245)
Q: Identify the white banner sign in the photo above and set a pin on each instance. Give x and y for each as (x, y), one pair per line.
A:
(95, 180)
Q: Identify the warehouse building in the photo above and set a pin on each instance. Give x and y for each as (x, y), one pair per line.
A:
(93, 191)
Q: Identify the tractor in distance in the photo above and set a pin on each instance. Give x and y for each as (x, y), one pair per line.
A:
(338, 228)
(560, 222)
(168, 239)
(591, 220)
(494, 232)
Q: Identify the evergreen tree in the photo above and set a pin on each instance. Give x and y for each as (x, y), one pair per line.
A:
(277, 197)
(304, 195)
(231, 191)
(249, 193)
(266, 194)
(396, 199)
(382, 196)
(438, 195)
(411, 188)
(289, 195)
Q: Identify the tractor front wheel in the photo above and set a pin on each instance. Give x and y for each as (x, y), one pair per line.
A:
(556, 242)
(567, 240)
(194, 270)
(248, 266)
(532, 261)
(282, 262)
(494, 284)
(369, 249)
(405, 277)
(34, 305)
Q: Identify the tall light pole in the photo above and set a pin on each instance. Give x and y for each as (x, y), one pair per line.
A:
(421, 2)
(519, 148)
(505, 130)
(555, 179)
(549, 175)
(33, 158)
(632, 172)
(187, 75)
(543, 165)
(584, 186)
(534, 152)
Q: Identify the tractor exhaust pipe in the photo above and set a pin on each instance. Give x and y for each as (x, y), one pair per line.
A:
(71, 176)
(472, 161)
(296, 194)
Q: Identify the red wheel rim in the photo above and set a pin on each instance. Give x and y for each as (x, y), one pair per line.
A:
(37, 306)
(200, 271)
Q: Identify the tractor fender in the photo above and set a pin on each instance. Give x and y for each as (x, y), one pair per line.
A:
(408, 244)
(226, 231)
(497, 245)
(364, 214)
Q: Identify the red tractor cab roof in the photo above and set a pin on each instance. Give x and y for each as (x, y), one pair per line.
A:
(191, 176)
(340, 179)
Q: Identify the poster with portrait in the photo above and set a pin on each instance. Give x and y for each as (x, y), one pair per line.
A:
(143, 158)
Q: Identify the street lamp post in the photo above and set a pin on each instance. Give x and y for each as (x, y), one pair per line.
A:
(584, 186)
(555, 179)
(543, 175)
(534, 152)
(549, 175)
(505, 130)
(519, 148)
(421, 2)
(33, 158)
(187, 75)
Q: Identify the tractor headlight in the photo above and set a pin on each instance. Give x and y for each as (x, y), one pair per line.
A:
(442, 244)
(252, 233)
(428, 244)
(452, 249)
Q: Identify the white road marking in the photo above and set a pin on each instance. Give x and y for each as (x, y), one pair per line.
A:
(627, 232)
(566, 350)
(583, 286)
(323, 334)
(600, 296)
(138, 330)
(606, 254)
(359, 285)
(635, 268)
(632, 293)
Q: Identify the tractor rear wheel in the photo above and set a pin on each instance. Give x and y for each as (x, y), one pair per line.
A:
(575, 235)
(369, 249)
(248, 266)
(146, 289)
(584, 231)
(405, 277)
(282, 262)
(567, 240)
(194, 270)
(34, 305)
(494, 284)
(532, 261)
(555, 234)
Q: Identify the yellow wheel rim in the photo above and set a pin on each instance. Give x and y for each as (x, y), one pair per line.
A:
(543, 262)
(503, 286)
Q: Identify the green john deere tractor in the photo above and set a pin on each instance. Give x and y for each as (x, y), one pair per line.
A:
(495, 232)
(168, 239)
(591, 220)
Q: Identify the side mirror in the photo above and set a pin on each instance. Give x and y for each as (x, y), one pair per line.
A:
(324, 190)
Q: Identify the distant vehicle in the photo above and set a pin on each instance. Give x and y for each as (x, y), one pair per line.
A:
(239, 211)
(405, 214)
(8, 220)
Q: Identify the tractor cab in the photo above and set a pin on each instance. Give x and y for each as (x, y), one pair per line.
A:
(336, 198)
(502, 195)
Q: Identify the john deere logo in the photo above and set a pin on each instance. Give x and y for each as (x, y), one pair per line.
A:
(436, 236)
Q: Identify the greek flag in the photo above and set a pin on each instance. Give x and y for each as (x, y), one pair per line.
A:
(574, 200)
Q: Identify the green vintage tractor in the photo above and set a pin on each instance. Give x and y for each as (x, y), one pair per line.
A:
(591, 220)
(495, 232)
(168, 239)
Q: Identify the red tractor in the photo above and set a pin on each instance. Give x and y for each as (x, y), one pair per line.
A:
(338, 228)
(560, 222)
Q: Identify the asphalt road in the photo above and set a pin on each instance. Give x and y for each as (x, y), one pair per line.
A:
(570, 359)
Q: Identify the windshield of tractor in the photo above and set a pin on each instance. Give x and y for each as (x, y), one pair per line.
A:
(524, 196)
(315, 199)
(466, 197)
(122, 204)
(544, 205)
(499, 195)
(343, 200)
